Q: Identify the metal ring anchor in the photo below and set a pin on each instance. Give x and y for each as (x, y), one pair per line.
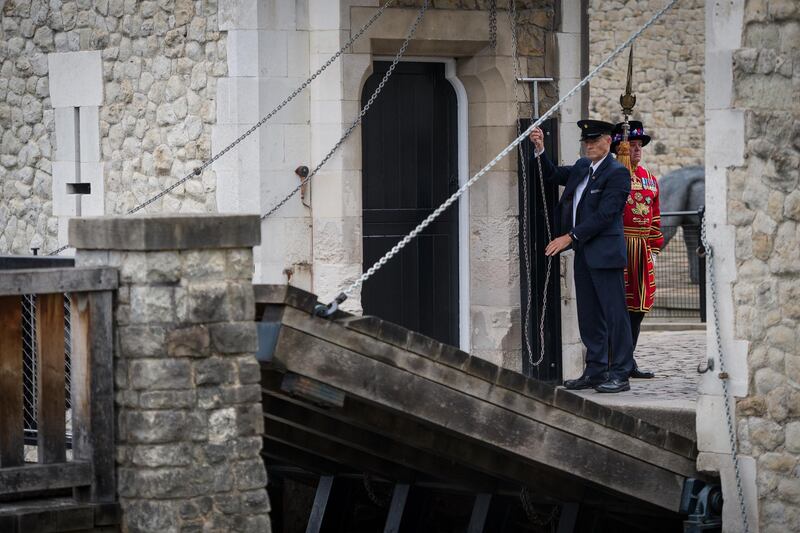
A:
(709, 366)
(327, 311)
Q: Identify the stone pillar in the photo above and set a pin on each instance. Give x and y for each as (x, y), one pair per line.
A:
(188, 400)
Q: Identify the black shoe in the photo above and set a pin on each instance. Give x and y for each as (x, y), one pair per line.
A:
(583, 382)
(614, 385)
(638, 373)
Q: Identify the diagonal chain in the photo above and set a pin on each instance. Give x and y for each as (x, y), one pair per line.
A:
(199, 170)
(447, 203)
(412, 30)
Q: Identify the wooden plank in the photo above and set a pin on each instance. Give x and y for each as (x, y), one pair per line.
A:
(484, 391)
(320, 504)
(396, 508)
(480, 511)
(50, 413)
(44, 477)
(61, 280)
(11, 414)
(399, 390)
(319, 423)
(92, 391)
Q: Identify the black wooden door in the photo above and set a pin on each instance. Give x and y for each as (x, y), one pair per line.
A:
(410, 166)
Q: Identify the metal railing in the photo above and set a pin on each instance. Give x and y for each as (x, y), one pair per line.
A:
(680, 268)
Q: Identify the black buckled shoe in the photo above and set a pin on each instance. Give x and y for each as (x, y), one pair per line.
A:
(638, 373)
(614, 385)
(583, 382)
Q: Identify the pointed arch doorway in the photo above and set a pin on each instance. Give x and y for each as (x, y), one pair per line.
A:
(410, 166)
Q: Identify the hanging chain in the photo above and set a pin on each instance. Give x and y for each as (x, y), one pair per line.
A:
(361, 114)
(526, 321)
(493, 24)
(371, 494)
(199, 170)
(535, 517)
(723, 375)
(447, 203)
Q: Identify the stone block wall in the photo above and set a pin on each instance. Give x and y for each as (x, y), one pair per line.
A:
(764, 209)
(161, 60)
(188, 397)
(667, 80)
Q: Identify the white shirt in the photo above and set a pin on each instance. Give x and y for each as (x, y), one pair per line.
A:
(581, 188)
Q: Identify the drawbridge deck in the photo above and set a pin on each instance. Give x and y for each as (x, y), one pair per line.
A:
(360, 394)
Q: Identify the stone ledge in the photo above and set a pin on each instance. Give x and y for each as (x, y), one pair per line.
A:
(165, 232)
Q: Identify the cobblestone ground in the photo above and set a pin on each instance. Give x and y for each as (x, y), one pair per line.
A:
(673, 356)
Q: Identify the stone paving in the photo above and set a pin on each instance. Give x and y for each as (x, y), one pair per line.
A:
(668, 399)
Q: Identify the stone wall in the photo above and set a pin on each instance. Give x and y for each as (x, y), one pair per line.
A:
(764, 208)
(188, 396)
(161, 60)
(667, 79)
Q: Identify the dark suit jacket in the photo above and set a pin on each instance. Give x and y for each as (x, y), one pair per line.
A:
(599, 218)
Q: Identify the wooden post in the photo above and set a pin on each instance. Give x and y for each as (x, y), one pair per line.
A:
(480, 511)
(50, 415)
(396, 508)
(92, 391)
(320, 504)
(11, 424)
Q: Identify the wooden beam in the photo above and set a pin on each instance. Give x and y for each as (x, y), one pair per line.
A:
(44, 477)
(11, 414)
(450, 448)
(334, 451)
(50, 410)
(285, 455)
(396, 508)
(61, 280)
(321, 498)
(444, 407)
(318, 422)
(93, 391)
(480, 511)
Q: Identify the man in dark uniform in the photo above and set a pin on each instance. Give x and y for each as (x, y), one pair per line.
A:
(589, 219)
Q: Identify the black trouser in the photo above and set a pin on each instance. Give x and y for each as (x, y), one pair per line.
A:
(636, 325)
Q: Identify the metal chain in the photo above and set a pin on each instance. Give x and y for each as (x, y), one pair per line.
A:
(199, 170)
(723, 375)
(447, 203)
(361, 113)
(371, 494)
(526, 321)
(533, 516)
(493, 23)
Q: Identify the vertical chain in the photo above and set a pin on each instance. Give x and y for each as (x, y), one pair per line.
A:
(709, 251)
(493, 24)
(526, 320)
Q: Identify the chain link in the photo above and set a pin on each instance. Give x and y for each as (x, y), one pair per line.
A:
(447, 203)
(709, 253)
(493, 24)
(412, 30)
(526, 321)
(372, 494)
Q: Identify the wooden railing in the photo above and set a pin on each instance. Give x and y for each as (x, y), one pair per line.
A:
(90, 472)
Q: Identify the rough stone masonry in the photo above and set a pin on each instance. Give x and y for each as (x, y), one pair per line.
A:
(188, 399)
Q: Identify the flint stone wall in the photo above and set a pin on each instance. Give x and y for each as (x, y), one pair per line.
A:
(667, 79)
(188, 396)
(764, 207)
(161, 61)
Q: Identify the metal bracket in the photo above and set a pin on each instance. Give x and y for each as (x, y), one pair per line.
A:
(702, 503)
(327, 311)
(302, 171)
(535, 87)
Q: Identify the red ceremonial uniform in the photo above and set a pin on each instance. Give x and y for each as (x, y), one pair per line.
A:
(643, 237)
